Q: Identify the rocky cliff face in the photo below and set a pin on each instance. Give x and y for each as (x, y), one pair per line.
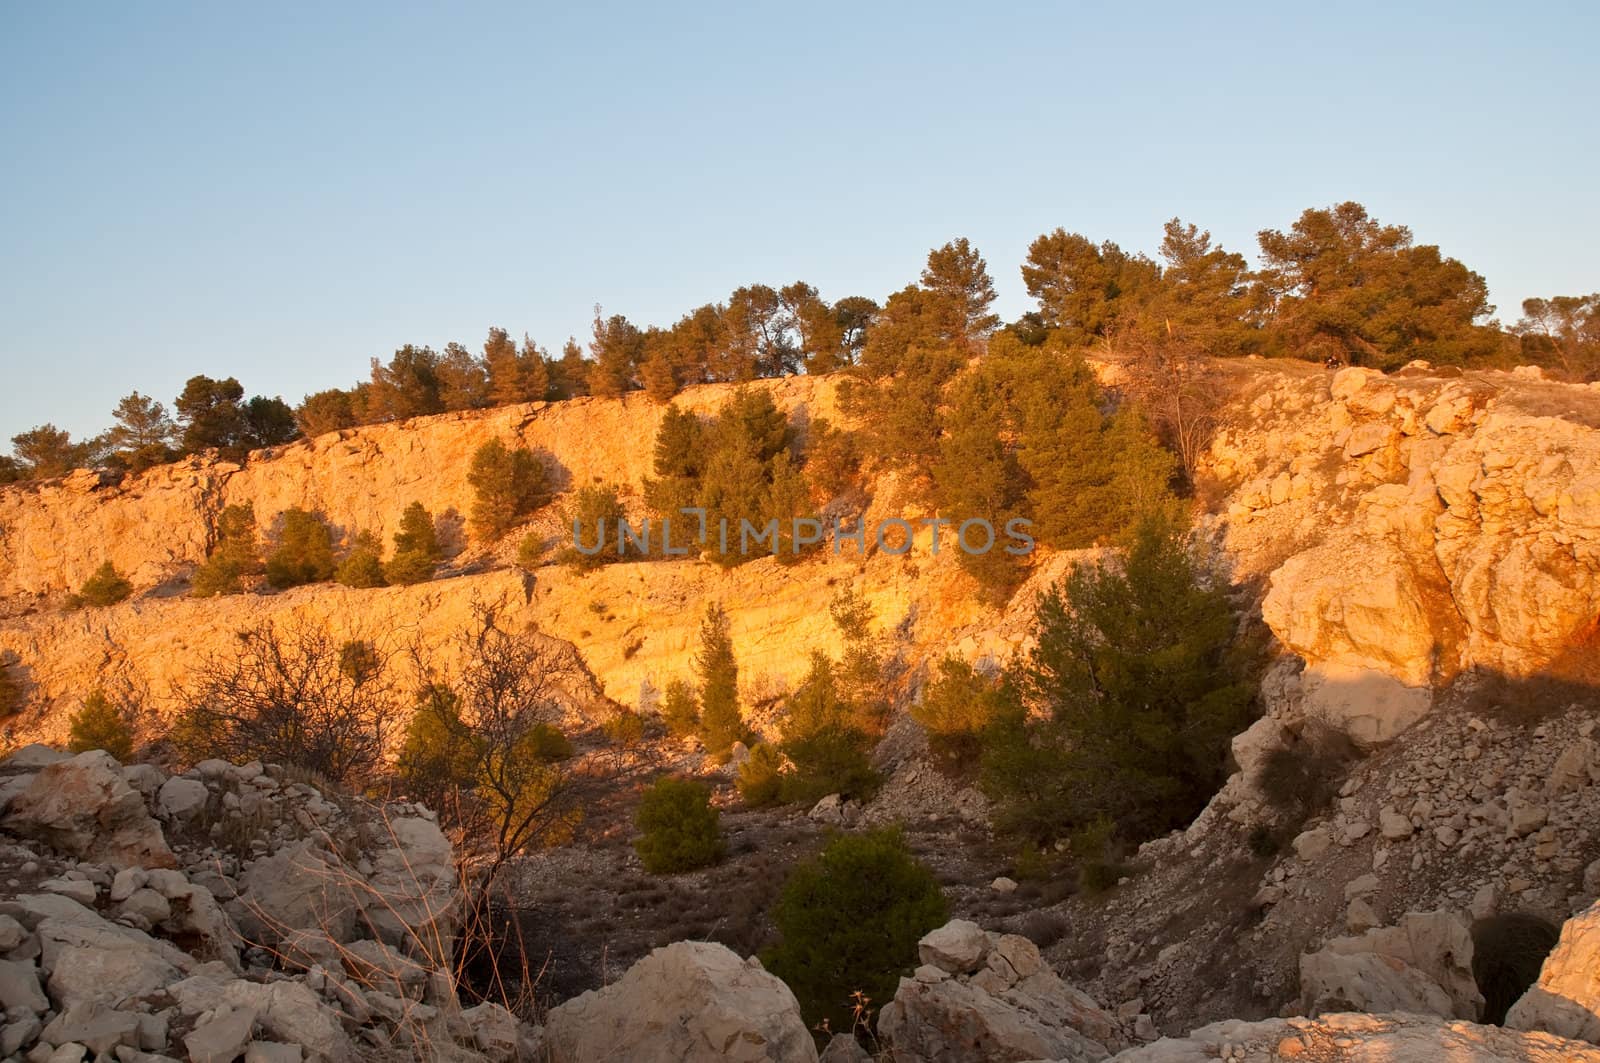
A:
(1408, 528)
(1398, 530)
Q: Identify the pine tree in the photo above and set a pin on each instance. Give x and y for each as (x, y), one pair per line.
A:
(101, 724)
(105, 587)
(718, 671)
(507, 486)
(416, 548)
(235, 555)
(143, 435)
(304, 553)
(679, 453)
(681, 710)
(362, 565)
(1128, 700)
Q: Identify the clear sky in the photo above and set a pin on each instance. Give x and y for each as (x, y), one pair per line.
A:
(280, 192)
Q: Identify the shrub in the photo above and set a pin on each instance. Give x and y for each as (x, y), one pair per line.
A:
(234, 556)
(416, 548)
(437, 754)
(102, 724)
(1128, 700)
(761, 777)
(530, 551)
(720, 723)
(679, 830)
(487, 741)
(105, 587)
(285, 694)
(304, 553)
(594, 516)
(362, 566)
(624, 728)
(507, 485)
(819, 736)
(957, 706)
(1302, 777)
(681, 710)
(849, 920)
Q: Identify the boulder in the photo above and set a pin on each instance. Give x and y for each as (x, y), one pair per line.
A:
(1005, 1005)
(89, 959)
(222, 1038)
(84, 806)
(958, 947)
(689, 1001)
(301, 887)
(95, 1027)
(181, 798)
(19, 987)
(412, 899)
(1566, 999)
(1360, 1038)
(495, 1031)
(1423, 965)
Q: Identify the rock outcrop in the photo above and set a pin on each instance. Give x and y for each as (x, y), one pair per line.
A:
(273, 922)
(1566, 999)
(1361, 1038)
(1423, 965)
(690, 1002)
(982, 996)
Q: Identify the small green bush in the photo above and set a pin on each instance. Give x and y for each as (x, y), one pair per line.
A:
(830, 754)
(507, 485)
(624, 728)
(679, 830)
(956, 707)
(101, 724)
(235, 555)
(761, 777)
(530, 551)
(681, 710)
(416, 548)
(593, 517)
(304, 553)
(105, 587)
(849, 921)
(362, 565)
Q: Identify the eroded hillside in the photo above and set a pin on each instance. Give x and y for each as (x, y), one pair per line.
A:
(1396, 531)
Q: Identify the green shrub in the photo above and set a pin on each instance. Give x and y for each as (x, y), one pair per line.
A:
(849, 921)
(304, 553)
(593, 516)
(679, 830)
(507, 485)
(1127, 702)
(235, 555)
(416, 548)
(720, 723)
(681, 710)
(1302, 777)
(101, 724)
(105, 587)
(957, 706)
(362, 565)
(624, 728)
(819, 735)
(530, 551)
(437, 757)
(761, 777)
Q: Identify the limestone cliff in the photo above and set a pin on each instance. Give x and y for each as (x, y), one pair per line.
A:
(1399, 529)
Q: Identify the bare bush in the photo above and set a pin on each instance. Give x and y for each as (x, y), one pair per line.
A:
(287, 694)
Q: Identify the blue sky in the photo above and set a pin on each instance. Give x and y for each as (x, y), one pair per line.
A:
(281, 192)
